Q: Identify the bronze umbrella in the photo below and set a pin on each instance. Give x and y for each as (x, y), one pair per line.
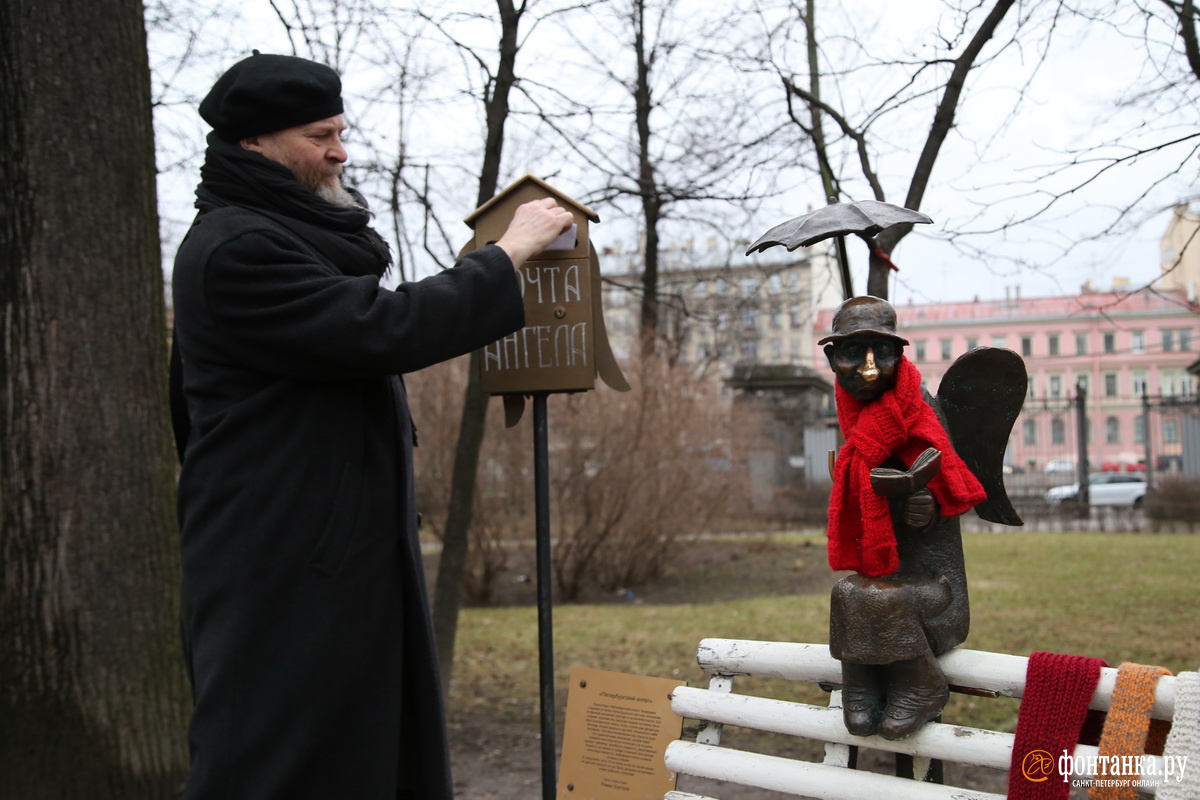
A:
(864, 217)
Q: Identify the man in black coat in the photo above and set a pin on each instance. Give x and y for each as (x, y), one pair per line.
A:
(305, 615)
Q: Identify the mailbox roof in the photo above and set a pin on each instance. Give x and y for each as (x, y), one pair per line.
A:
(483, 209)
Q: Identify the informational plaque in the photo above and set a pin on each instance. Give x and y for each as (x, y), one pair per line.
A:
(617, 732)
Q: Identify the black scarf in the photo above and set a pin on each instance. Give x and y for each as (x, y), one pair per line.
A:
(235, 176)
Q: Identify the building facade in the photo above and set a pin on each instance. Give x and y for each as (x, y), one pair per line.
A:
(1117, 346)
(719, 309)
(1179, 252)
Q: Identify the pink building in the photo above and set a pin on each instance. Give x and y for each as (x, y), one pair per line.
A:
(1116, 345)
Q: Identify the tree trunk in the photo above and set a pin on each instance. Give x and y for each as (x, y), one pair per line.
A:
(447, 594)
(647, 186)
(93, 701)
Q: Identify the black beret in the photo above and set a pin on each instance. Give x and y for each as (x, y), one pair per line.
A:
(268, 93)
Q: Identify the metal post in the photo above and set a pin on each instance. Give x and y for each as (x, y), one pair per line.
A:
(1081, 431)
(1146, 433)
(541, 480)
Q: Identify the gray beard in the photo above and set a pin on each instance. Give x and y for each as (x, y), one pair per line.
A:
(336, 194)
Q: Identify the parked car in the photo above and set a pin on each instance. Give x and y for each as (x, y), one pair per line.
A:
(1059, 465)
(1105, 489)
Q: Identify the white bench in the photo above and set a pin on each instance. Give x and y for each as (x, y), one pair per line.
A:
(970, 671)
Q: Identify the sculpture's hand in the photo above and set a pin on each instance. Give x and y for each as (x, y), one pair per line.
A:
(919, 509)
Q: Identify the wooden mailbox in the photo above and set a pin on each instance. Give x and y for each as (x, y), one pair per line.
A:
(564, 345)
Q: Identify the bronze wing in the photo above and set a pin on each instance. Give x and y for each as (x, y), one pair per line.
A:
(981, 395)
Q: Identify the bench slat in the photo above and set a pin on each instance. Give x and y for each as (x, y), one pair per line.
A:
(818, 780)
(974, 669)
(957, 743)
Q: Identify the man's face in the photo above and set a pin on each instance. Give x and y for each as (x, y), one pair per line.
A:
(865, 365)
(313, 152)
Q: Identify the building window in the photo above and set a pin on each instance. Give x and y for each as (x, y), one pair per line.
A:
(972, 342)
(1026, 345)
(1185, 339)
(749, 316)
(1110, 342)
(1031, 391)
(1110, 384)
(795, 349)
(776, 315)
(1081, 344)
(1052, 343)
(1168, 340)
(1056, 386)
(1081, 381)
(947, 349)
(1137, 342)
(1139, 429)
(999, 341)
(1058, 431)
(1167, 383)
(1139, 384)
(776, 349)
(701, 288)
(1030, 431)
(747, 286)
(1170, 431)
(749, 349)
(1112, 431)
(919, 350)
(775, 284)
(794, 316)
(722, 287)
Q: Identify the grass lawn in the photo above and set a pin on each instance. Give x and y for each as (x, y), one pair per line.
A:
(1122, 597)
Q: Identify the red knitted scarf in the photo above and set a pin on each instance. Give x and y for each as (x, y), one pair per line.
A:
(1053, 707)
(897, 423)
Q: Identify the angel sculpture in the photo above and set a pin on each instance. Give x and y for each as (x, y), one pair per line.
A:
(910, 466)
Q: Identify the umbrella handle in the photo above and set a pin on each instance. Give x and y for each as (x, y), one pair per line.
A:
(844, 266)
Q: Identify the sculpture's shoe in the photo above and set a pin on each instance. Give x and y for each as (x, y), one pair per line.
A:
(916, 693)
(862, 698)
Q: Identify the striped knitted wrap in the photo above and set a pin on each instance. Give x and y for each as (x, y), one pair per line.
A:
(1183, 742)
(1125, 729)
(897, 423)
(1058, 689)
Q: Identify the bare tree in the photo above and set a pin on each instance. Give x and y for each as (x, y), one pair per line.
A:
(94, 701)
(668, 129)
(447, 598)
(967, 54)
(972, 39)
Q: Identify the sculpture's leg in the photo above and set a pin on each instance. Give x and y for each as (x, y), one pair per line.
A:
(916, 693)
(862, 697)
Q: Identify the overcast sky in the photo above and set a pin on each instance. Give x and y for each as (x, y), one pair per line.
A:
(979, 181)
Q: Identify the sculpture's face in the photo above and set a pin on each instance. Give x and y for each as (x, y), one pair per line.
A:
(865, 365)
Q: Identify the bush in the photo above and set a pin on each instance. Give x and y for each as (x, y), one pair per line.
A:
(629, 474)
(1175, 500)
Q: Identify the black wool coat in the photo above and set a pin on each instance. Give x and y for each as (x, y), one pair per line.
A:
(305, 614)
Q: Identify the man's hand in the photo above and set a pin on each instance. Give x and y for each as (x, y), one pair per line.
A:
(534, 225)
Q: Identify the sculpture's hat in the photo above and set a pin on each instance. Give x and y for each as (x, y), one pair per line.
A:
(864, 315)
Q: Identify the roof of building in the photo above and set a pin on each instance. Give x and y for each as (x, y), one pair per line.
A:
(1084, 306)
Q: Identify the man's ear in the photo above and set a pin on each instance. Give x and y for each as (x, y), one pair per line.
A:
(252, 143)
(829, 354)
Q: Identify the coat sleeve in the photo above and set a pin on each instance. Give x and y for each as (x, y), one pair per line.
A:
(287, 313)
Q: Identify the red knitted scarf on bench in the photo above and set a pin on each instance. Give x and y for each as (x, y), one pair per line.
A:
(1053, 708)
(897, 423)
